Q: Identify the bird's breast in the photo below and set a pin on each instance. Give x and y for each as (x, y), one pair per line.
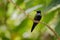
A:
(38, 18)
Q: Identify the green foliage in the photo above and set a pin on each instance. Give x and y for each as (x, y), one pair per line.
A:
(58, 24)
(20, 25)
(19, 2)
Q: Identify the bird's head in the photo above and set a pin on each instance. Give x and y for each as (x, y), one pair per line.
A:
(38, 12)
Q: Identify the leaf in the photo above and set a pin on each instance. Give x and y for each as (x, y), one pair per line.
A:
(57, 28)
(53, 4)
(33, 8)
(10, 9)
(24, 26)
(54, 8)
(18, 2)
(31, 3)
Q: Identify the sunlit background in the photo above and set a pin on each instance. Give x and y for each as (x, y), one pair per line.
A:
(15, 25)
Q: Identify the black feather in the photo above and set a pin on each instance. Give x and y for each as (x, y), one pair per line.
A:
(37, 18)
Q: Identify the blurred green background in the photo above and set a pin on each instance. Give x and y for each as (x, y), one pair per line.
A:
(15, 25)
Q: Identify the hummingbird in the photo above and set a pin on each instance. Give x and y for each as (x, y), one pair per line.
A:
(38, 17)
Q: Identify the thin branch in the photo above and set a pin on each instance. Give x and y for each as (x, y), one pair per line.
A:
(33, 19)
(50, 29)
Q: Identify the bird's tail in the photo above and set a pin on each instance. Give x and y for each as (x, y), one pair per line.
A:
(34, 25)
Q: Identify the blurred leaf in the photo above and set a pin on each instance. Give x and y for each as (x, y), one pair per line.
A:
(18, 2)
(54, 8)
(3, 36)
(57, 28)
(48, 17)
(2, 12)
(21, 23)
(33, 8)
(10, 9)
(24, 26)
(34, 3)
(52, 4)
